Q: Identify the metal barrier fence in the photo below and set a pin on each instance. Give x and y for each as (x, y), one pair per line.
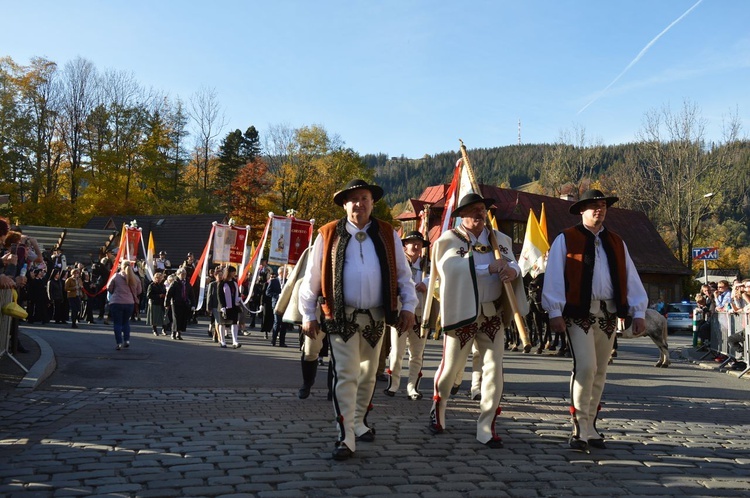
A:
(6, 326)
(724, 325)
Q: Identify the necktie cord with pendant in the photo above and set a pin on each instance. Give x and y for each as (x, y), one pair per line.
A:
(360, 236)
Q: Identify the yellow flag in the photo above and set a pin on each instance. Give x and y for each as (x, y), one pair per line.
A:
(535, 247)
(543, 224)
(493, 221)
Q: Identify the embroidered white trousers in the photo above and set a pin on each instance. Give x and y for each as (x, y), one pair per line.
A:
(490, 349)
(399, 345)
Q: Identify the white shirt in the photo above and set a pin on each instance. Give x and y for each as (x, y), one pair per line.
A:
(362, 281)
(553, 294)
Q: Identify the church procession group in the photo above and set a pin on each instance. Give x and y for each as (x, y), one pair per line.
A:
(358, 280)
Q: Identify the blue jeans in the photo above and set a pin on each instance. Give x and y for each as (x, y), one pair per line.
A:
(121, 320)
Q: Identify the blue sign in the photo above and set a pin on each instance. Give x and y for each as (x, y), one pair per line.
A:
(705, 253)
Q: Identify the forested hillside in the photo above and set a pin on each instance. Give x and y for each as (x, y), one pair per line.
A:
(510, 166)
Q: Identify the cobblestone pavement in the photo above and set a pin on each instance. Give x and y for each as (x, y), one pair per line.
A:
(268, 443)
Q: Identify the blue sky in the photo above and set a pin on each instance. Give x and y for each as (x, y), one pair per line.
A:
(412, 77)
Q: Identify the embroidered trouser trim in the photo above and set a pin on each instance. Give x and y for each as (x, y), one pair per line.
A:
(456, 350)
(590, 343)
(355, 362)
(399, 343)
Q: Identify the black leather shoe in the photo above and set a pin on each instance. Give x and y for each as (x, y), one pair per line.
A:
(454, 390)
(389, 393)
(494, 443)
(415, 396)
(367, 437)
(342, 452)
(578, 445)
(598, 444)
(304, 392)
(435, 429)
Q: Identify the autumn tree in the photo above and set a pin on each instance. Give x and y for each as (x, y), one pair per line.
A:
(209, 121)
(570, 162)
(679, 175)
(307, 166)
(236, 150)
(77, 100)
(249, 200)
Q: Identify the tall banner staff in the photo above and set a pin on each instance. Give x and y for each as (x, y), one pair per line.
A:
(424, 229)
(507, 286)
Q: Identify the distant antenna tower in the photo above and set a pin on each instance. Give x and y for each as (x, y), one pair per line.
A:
(519, 131)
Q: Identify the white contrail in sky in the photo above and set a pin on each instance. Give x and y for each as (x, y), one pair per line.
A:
(640, 55)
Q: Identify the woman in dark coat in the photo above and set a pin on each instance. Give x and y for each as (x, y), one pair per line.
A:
(156, 294)
(56, 297)
(179, 301)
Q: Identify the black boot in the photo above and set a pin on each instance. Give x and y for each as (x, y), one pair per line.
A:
(309, 371)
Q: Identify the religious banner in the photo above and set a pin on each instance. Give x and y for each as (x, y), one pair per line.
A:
(281, 230)
(229, 244)
(289, 238)
(130, 237)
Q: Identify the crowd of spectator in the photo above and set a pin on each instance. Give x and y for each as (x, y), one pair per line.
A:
(56, 291)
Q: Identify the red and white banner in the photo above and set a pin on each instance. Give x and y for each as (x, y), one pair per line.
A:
(459, 187)
(229, 244)
(289, 238)
(130, 237)
(232, 242)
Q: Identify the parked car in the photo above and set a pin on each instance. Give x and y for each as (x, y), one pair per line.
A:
(680, 316)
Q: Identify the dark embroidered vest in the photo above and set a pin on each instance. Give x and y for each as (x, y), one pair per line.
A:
(335, 240)
(579, 270)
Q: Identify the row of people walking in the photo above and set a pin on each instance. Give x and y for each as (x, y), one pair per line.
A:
(358, 279)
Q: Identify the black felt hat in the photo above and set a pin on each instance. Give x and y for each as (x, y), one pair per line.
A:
(468, 200)
(376, 191)
(591, 196)
(414, 235)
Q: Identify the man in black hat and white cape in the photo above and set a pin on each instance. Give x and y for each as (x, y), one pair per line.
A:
(413, 244)
(358, 269)
(589, 283)
(473, 309)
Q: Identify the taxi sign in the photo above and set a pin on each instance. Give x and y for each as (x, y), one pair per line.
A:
(705, 253)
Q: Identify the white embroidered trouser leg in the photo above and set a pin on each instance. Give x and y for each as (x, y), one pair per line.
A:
(355, 364)
(590, 351)
(449, 373)
(416, 358)
(476, 371)
(457, 346)
(396, 358)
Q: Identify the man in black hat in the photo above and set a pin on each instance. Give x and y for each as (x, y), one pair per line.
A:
(358, 272)
(413, 244)
(162, 264)
(473, 309)
(590, 282)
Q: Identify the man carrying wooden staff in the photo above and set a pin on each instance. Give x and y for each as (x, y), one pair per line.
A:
(472, 309)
